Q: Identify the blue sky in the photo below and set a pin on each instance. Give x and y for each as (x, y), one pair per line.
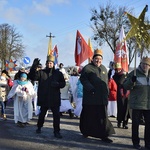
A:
(35, 19)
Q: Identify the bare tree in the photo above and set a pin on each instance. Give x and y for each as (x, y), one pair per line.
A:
(10, 44)
(106, 25)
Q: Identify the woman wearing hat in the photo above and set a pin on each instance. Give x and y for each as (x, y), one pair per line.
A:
(93, 119)
(22, 93)
(139, 100)
(17, 75)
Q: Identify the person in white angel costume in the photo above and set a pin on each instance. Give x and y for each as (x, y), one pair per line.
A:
(22, 93)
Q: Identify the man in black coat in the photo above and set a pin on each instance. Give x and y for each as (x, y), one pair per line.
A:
(94, 121)
(50, 81)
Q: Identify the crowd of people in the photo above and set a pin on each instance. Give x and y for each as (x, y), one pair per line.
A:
(91, 94)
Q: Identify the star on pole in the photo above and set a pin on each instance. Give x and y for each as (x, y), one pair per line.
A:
(139, 29)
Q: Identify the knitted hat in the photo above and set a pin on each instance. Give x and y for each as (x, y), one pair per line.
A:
(146, 60)
(75, 70)
(23, 75)
(22, 69)
(98, 52)
(50, 58)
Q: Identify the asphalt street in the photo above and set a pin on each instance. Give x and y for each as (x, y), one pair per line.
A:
(13, 137)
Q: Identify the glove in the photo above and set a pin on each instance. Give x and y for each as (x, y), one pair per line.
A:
(134, 79)
(55, 84)
(92, 91)
(36, 62)
(26, 90)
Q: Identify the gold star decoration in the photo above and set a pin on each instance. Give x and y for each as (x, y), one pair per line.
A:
(139, 29)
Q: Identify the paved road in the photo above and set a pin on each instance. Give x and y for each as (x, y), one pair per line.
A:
(13, 137)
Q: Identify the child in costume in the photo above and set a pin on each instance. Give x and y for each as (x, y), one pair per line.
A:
(22, 93)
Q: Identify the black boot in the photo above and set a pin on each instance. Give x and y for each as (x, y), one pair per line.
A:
(61, 114)
(125, 125)
(71, 114)
(38, 130)
(119, 124)
(57, 135)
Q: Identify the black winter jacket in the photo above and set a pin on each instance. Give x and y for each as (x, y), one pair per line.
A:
(95, 79)
(48, 94)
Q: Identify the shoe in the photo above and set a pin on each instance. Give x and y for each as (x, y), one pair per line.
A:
(85, 136)
(142, 122)
(26, 123)
(4, 117)
(20, 124)
(107, 140)
(58, 135)
(147, 146)
(125, 127)
(61, 114)
(71, 114)
(137, 146)
(118, 124)
(112, 116)
(38, 130)
(77, 117)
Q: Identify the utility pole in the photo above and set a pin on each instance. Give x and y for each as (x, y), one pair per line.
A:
(49, 44)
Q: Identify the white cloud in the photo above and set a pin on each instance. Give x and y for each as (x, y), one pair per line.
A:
(13, 15)
(3, 3)
(40, 7)
(44, 6)
(10, 13)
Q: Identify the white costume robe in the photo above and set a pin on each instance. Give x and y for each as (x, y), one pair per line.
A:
(23, 108)
(73, 87)
(65, 100)
(36, 107)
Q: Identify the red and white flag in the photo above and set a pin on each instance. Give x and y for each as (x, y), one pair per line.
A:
(121, 53)
(54, 52)
(82, 50)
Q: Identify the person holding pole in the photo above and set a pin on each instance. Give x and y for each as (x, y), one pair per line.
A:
(138, 82)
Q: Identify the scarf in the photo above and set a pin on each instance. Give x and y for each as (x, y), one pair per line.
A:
(22, 82)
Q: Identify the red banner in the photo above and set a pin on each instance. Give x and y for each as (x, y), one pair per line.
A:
(121, 53)
(82, 50)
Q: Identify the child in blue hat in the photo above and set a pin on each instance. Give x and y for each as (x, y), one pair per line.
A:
(22, 92)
